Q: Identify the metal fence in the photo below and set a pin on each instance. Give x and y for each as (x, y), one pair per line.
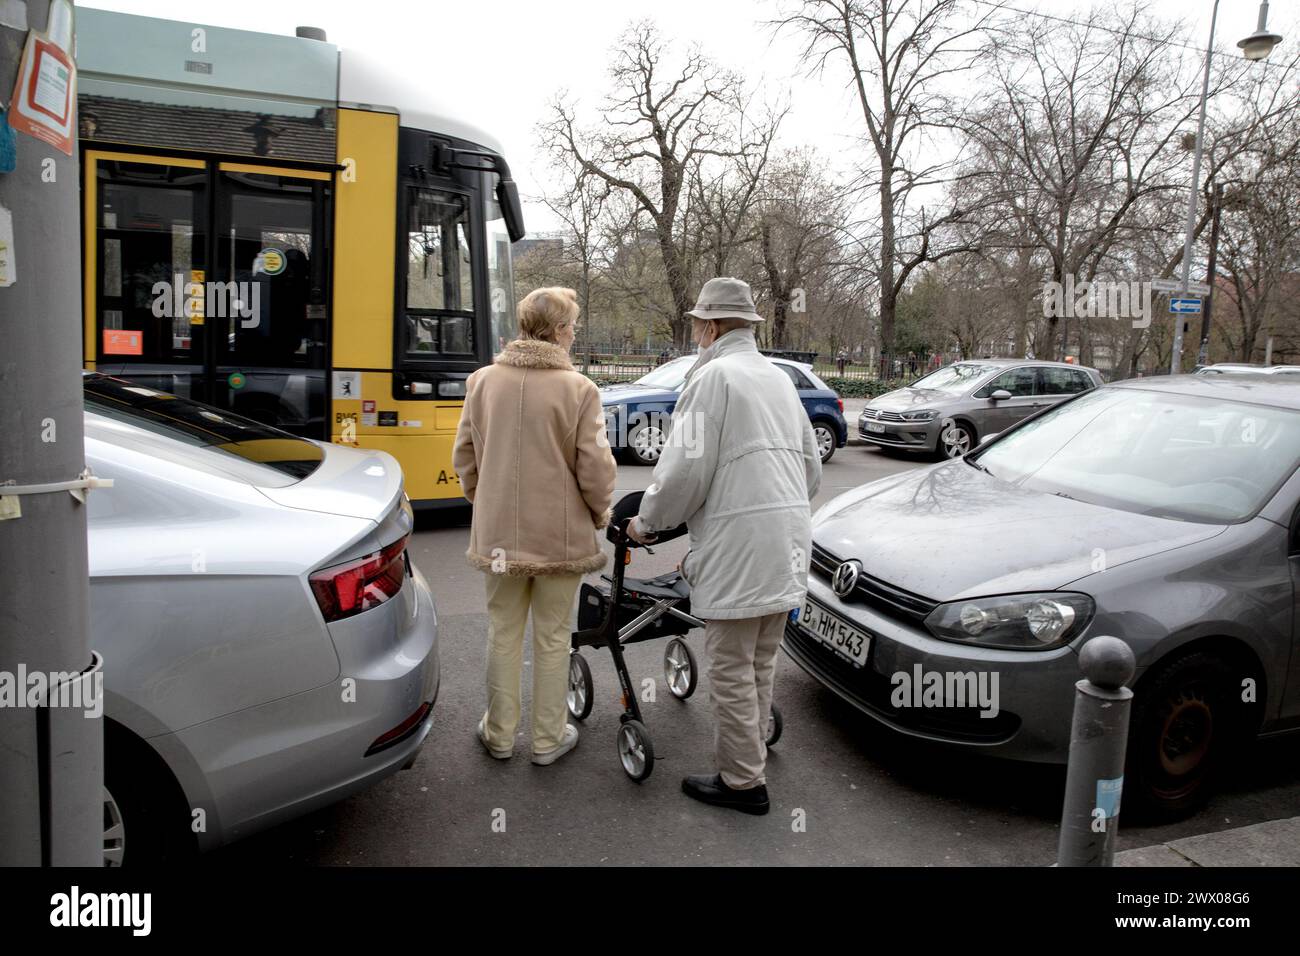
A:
(626, 365)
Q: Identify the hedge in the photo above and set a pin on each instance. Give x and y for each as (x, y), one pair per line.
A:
(860, 387)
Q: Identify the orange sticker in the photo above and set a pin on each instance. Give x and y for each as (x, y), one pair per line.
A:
(123, 342)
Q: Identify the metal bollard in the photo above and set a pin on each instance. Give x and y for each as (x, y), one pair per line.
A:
(1098, 736)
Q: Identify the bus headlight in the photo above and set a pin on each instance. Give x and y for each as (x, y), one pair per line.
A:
(454, 388)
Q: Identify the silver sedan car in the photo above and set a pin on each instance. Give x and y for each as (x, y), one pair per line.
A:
(954, 408)
(268, 646)
(950, 603)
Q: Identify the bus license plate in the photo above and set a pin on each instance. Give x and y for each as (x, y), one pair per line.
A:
(835, 632)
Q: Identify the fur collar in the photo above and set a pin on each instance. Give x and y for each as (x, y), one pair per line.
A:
(534, 353)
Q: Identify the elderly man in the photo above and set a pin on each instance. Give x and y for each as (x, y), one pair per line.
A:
(741, 482)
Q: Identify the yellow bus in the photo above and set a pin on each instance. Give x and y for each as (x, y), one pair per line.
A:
(282, 229)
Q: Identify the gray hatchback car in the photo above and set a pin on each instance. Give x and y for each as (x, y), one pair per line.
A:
(951, 410)
(950, 602)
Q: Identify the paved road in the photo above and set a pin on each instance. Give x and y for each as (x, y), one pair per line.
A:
(866, 796)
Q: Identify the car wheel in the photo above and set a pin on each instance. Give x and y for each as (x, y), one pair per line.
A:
(644, 443)
(145, 817)
(1185, 723)
(955, 440)
(825, 436)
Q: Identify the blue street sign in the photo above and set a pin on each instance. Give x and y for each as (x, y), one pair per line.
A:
(1185, 306)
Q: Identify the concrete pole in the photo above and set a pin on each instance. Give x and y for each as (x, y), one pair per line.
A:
(1176, 357)
(51, 766)
(1098, 739)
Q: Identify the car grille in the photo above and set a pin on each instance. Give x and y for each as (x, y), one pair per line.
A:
(881, 416)
(871, 691)
(884, 597)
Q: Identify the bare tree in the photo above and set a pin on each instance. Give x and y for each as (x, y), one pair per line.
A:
(1085, 124)
(580, 207)
(658, 125)
(899, 53)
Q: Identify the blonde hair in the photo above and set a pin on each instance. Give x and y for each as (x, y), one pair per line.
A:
(543, 310)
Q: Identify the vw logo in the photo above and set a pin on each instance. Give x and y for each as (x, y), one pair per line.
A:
(846, 578)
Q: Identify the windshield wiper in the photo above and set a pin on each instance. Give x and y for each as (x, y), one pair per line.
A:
(975, 464)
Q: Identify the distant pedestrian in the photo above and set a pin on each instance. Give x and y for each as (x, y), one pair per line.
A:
(840, 359)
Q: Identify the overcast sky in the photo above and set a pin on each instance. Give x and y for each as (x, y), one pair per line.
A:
(511, 56)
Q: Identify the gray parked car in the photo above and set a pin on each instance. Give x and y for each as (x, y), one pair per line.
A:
(268, 646)
(949, 411)
(950, 603)
(1243, 368)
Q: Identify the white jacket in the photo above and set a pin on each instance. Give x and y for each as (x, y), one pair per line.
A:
(739, 466)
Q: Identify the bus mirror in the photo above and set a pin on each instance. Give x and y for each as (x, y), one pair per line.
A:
(508, 198)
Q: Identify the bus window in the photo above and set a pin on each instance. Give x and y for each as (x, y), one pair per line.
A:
(500, 277)
(439, 274)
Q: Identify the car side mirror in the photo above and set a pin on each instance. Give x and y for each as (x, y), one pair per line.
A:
(1001, 395)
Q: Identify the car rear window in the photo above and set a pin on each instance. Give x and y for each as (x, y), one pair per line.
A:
(202, 426)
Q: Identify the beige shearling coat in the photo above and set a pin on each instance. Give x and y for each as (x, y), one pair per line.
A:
(533, 456)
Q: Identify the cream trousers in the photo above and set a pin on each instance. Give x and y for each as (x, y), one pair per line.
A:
(742, 668)
(509, 599)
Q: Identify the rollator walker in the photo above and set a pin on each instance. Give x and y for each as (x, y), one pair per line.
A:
(627, 611)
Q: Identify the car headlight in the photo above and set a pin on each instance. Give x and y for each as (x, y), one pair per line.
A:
(924, 415)
(1022, 622)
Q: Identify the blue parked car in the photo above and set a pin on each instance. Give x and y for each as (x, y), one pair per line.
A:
(637, 413)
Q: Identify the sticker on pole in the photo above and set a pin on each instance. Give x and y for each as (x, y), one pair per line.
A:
(1108, 793)
(44, 102)
(8, 265)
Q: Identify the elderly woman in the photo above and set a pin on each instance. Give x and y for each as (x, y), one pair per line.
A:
(533, 457)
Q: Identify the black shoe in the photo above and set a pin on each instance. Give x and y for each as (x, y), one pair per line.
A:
(709, 788)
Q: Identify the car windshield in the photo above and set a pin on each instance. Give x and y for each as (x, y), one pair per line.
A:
(953, 379)
(1154, 453)
(200, 425)
(670, 375)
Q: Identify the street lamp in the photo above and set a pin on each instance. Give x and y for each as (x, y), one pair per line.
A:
(1257, 46)
(1260, 44)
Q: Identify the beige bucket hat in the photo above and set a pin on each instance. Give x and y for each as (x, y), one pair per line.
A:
(725, 298)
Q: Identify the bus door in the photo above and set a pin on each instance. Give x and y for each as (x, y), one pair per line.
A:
(211, 281)
(268, 310)
(146, 238)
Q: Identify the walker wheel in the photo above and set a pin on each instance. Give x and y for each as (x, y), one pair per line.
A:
(680, 670)
(580, 696)
(775, 726)
(635, 750)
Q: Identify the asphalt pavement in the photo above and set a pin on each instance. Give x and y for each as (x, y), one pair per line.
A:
(843, 790)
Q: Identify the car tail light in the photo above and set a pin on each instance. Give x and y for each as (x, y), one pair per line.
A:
(359, 585)
(840, 403)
